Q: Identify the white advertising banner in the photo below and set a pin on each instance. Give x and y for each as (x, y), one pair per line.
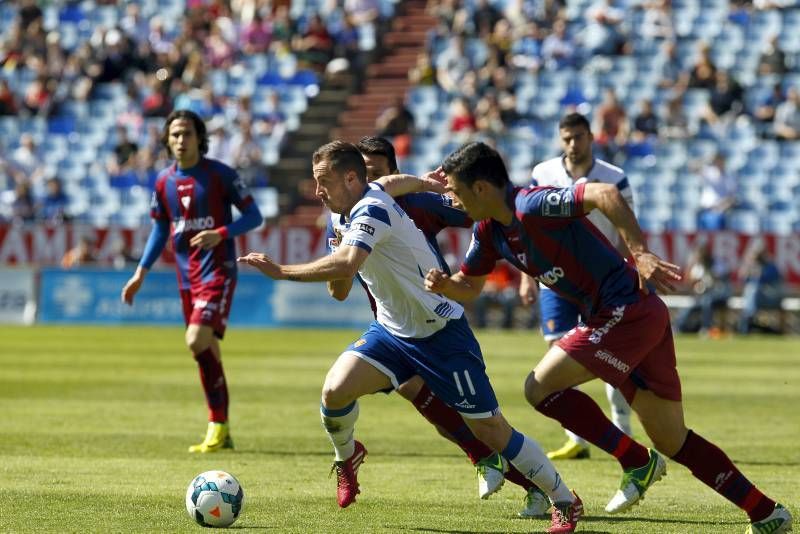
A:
(17, 296)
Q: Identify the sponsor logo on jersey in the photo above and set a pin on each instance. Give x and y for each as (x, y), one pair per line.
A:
(364, 228)
(612, 360)
(360, 342)
(550, 277)
(198, 223)
(616, 316)
(558, 203)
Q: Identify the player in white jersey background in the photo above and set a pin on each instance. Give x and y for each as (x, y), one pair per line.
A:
(558, 315)
(415, 332)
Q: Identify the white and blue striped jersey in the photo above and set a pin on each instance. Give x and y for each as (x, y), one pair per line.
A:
(395, 269)
(553, 173)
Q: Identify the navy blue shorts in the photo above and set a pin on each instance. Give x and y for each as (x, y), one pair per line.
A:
(558, 315)
(450, 362)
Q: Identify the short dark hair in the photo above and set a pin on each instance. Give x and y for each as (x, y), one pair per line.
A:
(476, 161)
(343, 157)
(199, 128)
(378, 146)
(573, 120)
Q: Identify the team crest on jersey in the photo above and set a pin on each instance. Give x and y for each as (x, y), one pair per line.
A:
(185, 201)
(360, 342)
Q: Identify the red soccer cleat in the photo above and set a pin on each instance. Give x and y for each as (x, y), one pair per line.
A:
(565, 516)
(347, 476)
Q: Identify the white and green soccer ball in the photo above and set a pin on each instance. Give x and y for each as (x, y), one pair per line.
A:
(214, 499)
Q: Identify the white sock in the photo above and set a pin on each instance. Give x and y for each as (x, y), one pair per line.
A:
(339, 424)
(620, 409)
(531, 461)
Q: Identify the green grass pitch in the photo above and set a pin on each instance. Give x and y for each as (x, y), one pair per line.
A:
(96, 422)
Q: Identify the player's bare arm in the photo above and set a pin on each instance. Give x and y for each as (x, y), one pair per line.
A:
(341, 265)
(459, 286)
(609, 201)
(207, 239)
(528, 290)
(397, 185)
(340, 289)
(133, 285)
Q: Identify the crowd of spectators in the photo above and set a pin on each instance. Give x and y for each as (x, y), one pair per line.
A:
(60, 61)
(645, 75)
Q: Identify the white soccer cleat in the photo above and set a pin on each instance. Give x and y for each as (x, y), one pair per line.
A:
(490, 475)
(635, 482)
(780, 520)
(536, 504)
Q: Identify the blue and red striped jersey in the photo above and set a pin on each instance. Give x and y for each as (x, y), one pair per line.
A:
(550, 239)
(197, 199)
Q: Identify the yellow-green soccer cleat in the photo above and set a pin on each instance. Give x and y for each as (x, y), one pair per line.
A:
(491, 474)
(635, 482)
(571, 450)
(780, 520)
(218, 437)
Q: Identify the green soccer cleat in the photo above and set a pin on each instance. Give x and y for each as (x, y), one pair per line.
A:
(571, 450)
(536, 504)
(780, 520)
(490, 475)
(635, 482)
(218, 437)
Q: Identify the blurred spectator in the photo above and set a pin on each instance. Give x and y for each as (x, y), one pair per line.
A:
(765, 109)
(256, 35)
(787, 117)
(452, 65)
(603, 33)
(38, 96)
(125, 148)
(676, 124)
(53, 206)
(83, 253)
(8, 102)
(558, 49)
(484, 18)
(423, 73)
(670, 70)
(646, 121)
(462, 121)
(763, 288)
(220, 146)
(726, 100)
(526, 52)
(26, 156)
(709, 279)
(489, 117)
(703, 74)
(23, 208)
(247, 156)
(610, 125)
(396, 123)
(500, 290)
(717, 195)
(657, 20)
(773, 59)
(122, 257)
(314, 47)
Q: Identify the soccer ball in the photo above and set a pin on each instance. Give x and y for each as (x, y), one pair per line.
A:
(214, 499)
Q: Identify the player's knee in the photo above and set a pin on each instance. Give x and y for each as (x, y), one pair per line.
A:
(335, 394)
(533, 390)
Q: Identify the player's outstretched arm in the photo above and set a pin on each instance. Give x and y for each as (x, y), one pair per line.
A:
(458, 287)
(609, 201)
(341, 265)
(133, 285)
(528, 290)
(340, 289)
(397, 185)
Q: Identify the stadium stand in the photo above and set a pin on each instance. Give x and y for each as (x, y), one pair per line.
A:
(83, 87)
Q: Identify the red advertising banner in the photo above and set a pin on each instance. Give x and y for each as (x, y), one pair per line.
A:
(41, 245)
